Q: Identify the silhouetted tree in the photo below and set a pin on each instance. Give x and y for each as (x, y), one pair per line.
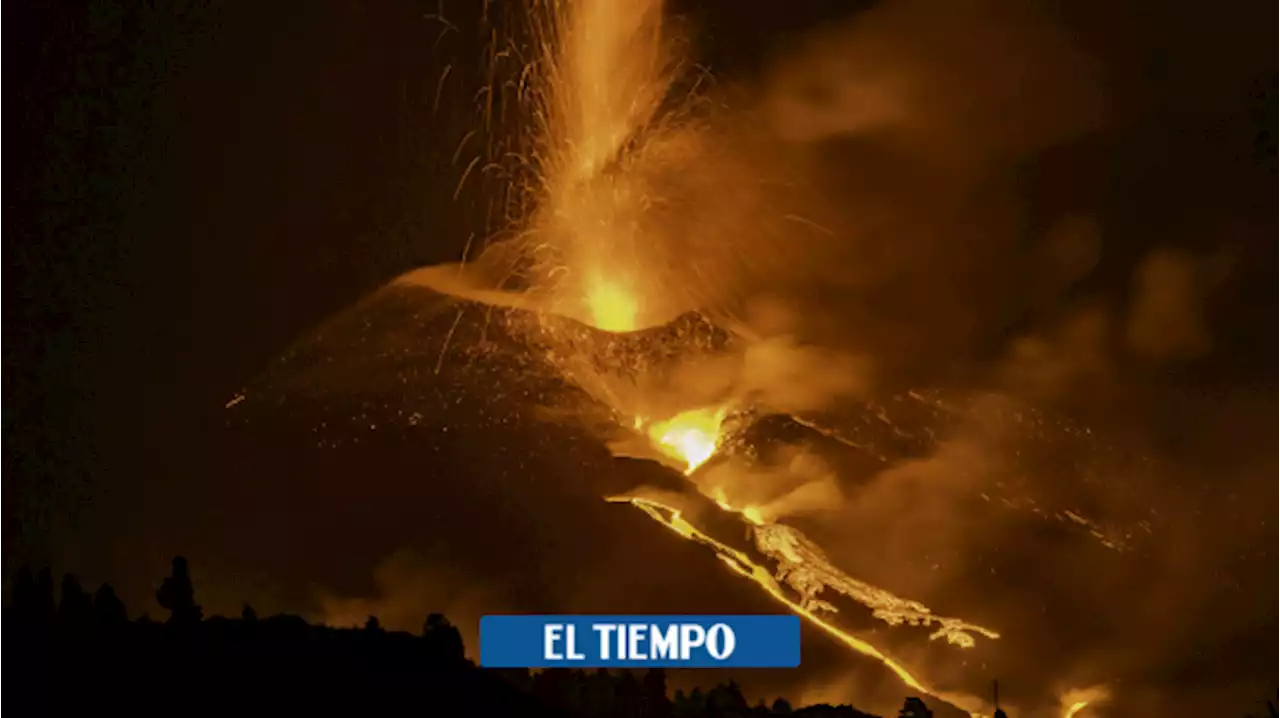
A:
(628, 696)
(598, 693)
(108, 609)
(692, 706)
(914, 708)
(520, 678)
(552, 686)
(75, 611)
(44, 604)
(443, 640)
(656, 703)
(372, 625)
(247, 614)
(726, 699)
(782, 707)
(178, 595)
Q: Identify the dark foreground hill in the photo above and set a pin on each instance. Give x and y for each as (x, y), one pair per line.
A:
(82, 656)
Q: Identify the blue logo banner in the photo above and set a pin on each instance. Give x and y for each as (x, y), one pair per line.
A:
(640, 641)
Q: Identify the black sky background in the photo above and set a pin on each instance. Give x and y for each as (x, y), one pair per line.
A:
(194, 185)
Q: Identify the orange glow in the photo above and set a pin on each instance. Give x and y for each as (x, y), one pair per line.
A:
(692, 436)
(1074, 701)
(612, 307)
(750, 513)
(721, 500)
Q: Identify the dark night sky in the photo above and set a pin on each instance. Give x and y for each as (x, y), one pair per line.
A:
(195, 185)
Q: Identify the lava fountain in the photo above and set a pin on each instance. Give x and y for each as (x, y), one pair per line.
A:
(597, 86)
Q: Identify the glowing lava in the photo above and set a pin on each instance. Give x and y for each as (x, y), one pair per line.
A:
(750, 513)
(743, 565)
(612, 307)
(1075, 708)
(1076, 700)
(692, 436)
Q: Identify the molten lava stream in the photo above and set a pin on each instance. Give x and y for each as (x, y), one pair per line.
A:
(742, 564)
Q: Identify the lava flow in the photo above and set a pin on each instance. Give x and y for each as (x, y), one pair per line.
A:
(800, 564)
(743, 565)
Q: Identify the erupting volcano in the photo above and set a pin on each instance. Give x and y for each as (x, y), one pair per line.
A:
(618, 310)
